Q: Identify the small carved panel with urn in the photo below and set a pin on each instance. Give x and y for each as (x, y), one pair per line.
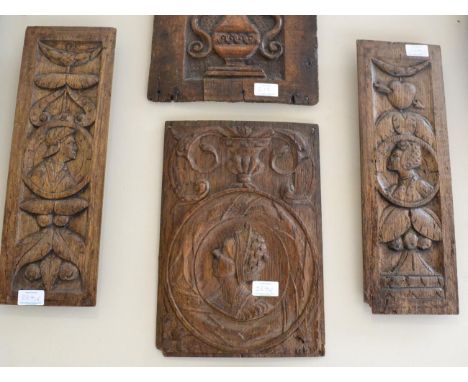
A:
(54, 197)
(220, 58)
(408, 234)
(241, 203)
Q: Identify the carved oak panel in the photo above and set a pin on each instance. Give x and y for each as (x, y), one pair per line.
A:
(53, 206)
(220, 58)
(241, 203)
(408, 233)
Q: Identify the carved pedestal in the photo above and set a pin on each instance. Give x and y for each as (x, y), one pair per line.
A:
(54, 197)
(408, 234)
(241, 204)
(221, 58)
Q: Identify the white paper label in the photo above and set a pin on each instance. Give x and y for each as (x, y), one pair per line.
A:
(417, 50)
(266, 90)
(265, 288)
(31, 297)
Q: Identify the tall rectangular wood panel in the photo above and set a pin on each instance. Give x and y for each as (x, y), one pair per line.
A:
(241, 204)
(53, 206)
(408, 229)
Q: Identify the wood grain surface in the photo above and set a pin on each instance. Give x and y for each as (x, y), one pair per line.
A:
(240, 203)
(53, 205)
(408, 229)
(220, 58)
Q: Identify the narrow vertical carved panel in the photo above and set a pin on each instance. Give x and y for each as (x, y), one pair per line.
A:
(54, 198)
(222, 58)
(408, 233)
(241, 204)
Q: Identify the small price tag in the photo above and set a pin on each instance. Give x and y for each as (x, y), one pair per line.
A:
(266, 90)
(417, 50)
(265, 288)
(31, 297)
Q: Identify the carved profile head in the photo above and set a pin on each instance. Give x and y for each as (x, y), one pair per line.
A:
(244, 254)
(61, 140)
(405, 156)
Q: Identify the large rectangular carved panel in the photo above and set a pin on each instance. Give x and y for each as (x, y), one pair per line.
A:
(221, 58)
(408, 233)
(241, 204)
(53, 206)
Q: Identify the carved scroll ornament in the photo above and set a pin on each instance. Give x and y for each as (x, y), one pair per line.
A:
(221, 58)
(240, 206)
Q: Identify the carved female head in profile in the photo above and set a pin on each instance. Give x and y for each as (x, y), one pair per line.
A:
(405, 157)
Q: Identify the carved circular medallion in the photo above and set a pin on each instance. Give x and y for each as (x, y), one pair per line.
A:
(407, 171)
(232, 239)
(57, 160)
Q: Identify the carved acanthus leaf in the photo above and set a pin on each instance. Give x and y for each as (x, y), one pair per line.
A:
(57, 80)
(68, 58)
(393, 223)
(427, 223)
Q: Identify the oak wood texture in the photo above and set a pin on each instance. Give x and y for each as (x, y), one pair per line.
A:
(408, 229)
(220, 58)
(52, 219)
(240, 203)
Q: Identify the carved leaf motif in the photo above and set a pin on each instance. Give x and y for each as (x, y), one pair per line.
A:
(394, 223)
(82, 81)
(38, 206)
(50, 267)
(382, 88)
(34, 247)
(38, 115)
(400, 71)
(57, 80)
(426, 222)
(51, 80)
(68, 245)
(68, 58)
(87, 105)
(69, 207)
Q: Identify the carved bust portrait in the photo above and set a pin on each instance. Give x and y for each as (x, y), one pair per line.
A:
(52, 173)
(240, 261)
(405, 160)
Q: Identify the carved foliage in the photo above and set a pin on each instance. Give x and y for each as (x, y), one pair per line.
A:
(227, 222)
(406, 269)
(54, 197)
(243, 151)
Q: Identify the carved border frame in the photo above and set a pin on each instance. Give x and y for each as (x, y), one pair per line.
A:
(166, 81)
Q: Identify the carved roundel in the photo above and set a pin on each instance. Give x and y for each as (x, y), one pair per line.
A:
(57, 160)
(407, 171)
(230, 240)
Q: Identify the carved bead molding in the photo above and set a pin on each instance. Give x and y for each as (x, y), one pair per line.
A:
(53, 206)
(241, 203)
(221, 58)
(408, 233)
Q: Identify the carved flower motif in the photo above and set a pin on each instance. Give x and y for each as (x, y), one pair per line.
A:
(55, 250)
(409, 228)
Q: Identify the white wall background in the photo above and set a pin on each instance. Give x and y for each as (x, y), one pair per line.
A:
(120, 330)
